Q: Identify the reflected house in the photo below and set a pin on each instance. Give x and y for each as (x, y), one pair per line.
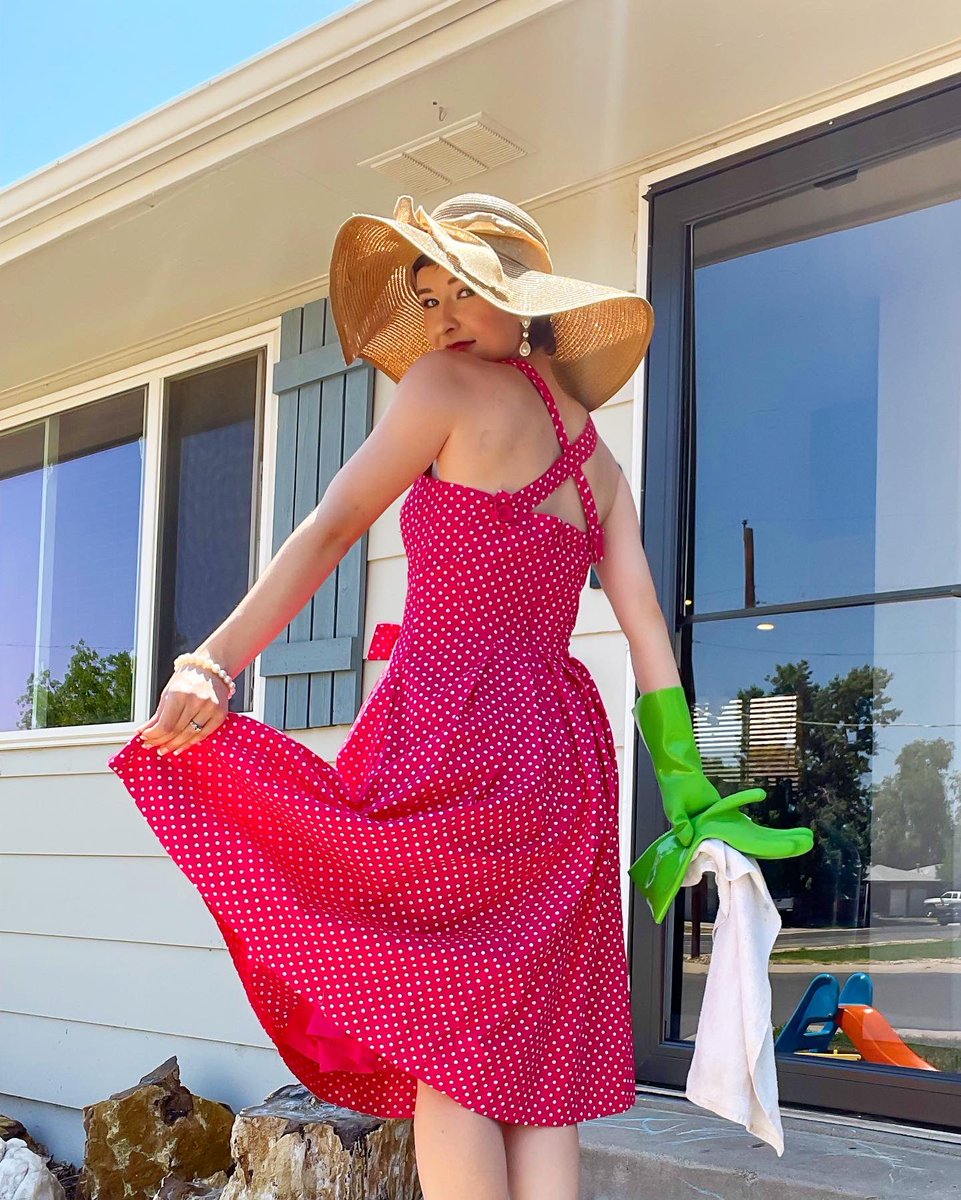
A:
(893, 892)
(752, 741)
(749, 740)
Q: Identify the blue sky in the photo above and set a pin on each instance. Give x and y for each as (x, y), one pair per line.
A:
(72, 72)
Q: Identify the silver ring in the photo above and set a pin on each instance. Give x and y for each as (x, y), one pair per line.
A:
(195, 725)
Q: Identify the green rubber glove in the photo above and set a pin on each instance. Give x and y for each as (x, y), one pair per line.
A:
(693, 805)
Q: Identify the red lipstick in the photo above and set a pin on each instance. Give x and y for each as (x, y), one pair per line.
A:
(459, 345)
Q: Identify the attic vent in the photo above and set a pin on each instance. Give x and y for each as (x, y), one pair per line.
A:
(470, 148)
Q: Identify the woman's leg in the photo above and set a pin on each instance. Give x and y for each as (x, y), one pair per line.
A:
(543, 1161)
(459, 1153)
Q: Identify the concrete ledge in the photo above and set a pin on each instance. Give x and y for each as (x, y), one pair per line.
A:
(666, 1148)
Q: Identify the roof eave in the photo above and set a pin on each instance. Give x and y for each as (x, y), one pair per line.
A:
(316, 71)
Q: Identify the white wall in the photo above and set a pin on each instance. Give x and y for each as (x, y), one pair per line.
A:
(110, 961)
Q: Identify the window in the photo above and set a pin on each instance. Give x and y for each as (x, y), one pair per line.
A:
(209, 503)
(72, 564)
(70, 505)
(802, 498)
(848, 717)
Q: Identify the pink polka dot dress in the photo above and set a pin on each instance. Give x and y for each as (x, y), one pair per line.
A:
(443, 902)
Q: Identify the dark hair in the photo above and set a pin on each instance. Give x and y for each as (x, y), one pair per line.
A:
(541, 334)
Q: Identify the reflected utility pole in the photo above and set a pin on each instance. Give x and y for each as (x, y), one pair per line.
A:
(750, 598)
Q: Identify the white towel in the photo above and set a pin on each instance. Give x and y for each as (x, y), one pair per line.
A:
(732, 1071)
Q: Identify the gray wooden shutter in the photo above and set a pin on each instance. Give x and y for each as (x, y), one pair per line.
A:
(325, 409)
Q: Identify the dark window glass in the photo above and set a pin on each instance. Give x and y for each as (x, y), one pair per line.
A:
(212, 437)
(802, 492)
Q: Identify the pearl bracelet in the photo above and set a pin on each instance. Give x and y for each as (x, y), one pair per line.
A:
(207, 664)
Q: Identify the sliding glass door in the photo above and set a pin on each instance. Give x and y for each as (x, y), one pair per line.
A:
(803, 521)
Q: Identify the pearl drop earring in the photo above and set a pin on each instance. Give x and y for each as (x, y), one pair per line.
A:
(525, 346)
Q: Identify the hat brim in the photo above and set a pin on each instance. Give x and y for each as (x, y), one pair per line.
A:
(602, 333)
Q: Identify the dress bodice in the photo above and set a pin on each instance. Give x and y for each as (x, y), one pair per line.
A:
(485, 566)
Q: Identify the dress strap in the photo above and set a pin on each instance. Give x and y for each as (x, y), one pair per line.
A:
(568, 465)
(546, 395)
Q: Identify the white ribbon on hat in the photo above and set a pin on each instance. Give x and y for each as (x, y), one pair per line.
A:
(484, 221)
(475, 257)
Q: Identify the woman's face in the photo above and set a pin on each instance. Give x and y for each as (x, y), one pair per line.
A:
(454, 312)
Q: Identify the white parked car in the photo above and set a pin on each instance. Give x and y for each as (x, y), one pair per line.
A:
(944, 908)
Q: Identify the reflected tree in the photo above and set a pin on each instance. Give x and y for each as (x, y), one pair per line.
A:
(96, 689)
(835, 744)
(913, 824)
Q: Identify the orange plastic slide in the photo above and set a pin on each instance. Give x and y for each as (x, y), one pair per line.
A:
(876, 1041)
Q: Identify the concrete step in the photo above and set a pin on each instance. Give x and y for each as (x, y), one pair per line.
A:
(666, 1148)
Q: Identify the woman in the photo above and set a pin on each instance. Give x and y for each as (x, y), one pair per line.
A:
(432, 926)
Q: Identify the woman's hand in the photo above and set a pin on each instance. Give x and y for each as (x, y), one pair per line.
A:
(191, 694)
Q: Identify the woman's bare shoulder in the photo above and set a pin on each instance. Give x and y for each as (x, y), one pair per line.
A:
(464, 378)
(436, 367)
(433, 387)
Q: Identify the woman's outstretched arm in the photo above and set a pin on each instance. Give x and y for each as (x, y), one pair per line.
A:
(402, 444)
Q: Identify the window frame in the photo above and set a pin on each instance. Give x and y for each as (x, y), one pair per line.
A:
(819, 152)
(157, 672)
(152, 376)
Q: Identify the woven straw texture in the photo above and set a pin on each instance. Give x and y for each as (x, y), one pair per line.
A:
(602, 333)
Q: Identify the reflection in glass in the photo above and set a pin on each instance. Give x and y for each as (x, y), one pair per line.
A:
(825, 412)
(70, 508)
(849, 717)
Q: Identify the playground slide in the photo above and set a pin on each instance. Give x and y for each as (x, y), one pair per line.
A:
(875, 1040)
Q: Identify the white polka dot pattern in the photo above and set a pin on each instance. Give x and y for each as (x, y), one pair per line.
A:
(443, 902)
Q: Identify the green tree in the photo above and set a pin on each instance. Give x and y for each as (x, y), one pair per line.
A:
(836, 735)
(912, 808)
(96, 689)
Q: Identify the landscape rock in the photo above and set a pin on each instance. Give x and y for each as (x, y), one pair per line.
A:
(296, 1147)
(210, 1188)
(139, 1137)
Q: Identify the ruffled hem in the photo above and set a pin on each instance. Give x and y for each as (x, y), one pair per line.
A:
(341, 1069)
(458, 924)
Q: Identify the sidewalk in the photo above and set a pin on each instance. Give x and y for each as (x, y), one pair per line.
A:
(666, 1148)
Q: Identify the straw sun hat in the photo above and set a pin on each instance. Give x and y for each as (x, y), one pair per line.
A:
(501, 252)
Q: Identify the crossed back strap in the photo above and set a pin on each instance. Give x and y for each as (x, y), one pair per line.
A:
(568, 466)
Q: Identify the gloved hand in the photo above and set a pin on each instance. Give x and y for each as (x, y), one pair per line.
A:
(693, 805)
